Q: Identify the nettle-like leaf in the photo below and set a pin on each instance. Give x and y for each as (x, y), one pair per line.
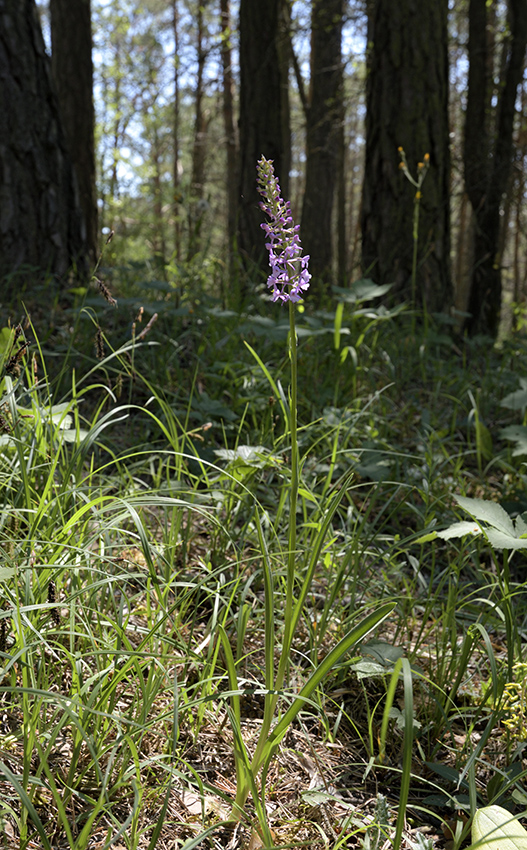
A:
(518, 399)
(257, 456)
(494, 828)
(516, 434)
(491, 520)
(489, 512)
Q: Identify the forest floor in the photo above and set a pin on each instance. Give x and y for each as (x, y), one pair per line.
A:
(145, 529)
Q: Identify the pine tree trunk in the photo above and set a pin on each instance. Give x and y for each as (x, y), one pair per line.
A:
(323, 121)
(261, 116)
(228, 124)
(177, 197)
(488, 155)
(72, 69)
(197, 180)
(407, 106)
(40, 216)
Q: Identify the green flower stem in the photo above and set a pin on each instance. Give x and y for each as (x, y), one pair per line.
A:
(271, 698)
(415, 236)
(293, 498)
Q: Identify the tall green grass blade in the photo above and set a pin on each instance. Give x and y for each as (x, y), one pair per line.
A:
(26, 803)
(407, 751)
(359, 632)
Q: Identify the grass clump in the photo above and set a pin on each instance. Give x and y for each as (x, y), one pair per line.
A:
(164, 638)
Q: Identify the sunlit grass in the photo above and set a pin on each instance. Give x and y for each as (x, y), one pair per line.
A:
(134, 531)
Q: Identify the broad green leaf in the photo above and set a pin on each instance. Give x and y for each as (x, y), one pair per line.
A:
(367, 669)
(427, 538)
(385, 654)
(459, 529)
(516, 400)
(73, 436)
(494, 828)
(361, 290)
(248, 454)
(499, 540)
(489, 512)
(518, 435)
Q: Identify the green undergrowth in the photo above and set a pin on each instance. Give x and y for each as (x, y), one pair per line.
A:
(145, 481)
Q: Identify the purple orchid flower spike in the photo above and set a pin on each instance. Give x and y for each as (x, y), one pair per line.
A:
(289, 277)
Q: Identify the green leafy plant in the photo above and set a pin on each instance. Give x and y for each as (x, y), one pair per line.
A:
(494, 826)
(289, 279)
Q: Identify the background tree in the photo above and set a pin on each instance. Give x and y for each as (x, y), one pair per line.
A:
(263, 126)
(197, 202)
(167, 110)
(324, 120)
(488, 151)
(231, 141)
(41, 220)
(72, 68)
(407, 105)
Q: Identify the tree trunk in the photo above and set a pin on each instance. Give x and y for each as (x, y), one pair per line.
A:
(72, 69)
(231, 173)
(197, 180)
(261, 117)
(41, 221)
(488, 155)
(323, 122)
(407, 106)
(159, 240)
(177, 197)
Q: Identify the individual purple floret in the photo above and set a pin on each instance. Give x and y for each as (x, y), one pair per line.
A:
(289, 277)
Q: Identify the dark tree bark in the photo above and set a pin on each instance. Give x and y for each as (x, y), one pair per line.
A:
(177, 109)
(72, 68)
(324, 118)
(263, 128)
(407, 106)
(40, 216)
(159, 240)
(488, 154)
(199, 146)
(228, 123)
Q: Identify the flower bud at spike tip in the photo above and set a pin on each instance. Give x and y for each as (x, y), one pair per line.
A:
(289, 277)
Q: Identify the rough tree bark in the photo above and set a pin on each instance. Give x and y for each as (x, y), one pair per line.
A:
(488, 154)
(407, 106)
(176, 123)
(324, 115)
(228, 123)
(41, 222)
(199, 145)
(72, 69)
(263, 129)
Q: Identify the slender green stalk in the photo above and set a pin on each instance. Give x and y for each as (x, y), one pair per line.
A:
(293, 498)
(415, 236)
(422, 168)
(272, 687)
